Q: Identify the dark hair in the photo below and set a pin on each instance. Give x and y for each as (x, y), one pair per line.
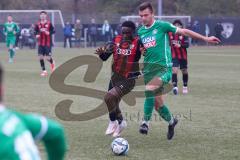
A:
(177, 21)
(43, 12)
(129, 24)
(1, 82)
(146, 5)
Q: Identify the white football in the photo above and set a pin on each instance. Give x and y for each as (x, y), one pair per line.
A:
(120, 146)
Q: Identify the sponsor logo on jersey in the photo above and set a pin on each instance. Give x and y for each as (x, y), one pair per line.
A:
(125, 50)
(149, 42)
(10, 28)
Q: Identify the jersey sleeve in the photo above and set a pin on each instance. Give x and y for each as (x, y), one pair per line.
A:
(36, 30)
(52, 29)
(17, 29)
(48, 131)
(168, 27)
(139, 53)
(185, 42)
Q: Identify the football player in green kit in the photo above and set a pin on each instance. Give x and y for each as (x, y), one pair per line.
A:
(19, 131)
(10, 29)
(158, 64)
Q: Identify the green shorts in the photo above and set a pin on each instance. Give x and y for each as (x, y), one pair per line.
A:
(10, 41)
(164, 73)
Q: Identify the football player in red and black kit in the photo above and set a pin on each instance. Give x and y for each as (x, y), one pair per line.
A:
(44, 30)
(179, 45)
(126, 51)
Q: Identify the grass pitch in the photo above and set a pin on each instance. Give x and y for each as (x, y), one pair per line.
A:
(209, 126)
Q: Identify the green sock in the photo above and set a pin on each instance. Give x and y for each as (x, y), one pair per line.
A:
(148, 105)
(165, 113)
(11, 52)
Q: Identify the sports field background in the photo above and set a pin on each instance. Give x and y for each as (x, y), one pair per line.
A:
(209, 126)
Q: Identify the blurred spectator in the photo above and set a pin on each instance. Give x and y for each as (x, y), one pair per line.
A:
(92, 32)
(67, 34)
(32, 37)
(218, 30)
(106, 31)
(195, 28)
(78, 32)
(27, 37)
(24, 37)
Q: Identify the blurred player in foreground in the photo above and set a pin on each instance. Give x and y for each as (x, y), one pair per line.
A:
(19, 131)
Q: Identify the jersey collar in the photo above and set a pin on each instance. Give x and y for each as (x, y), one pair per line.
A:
(151, 25)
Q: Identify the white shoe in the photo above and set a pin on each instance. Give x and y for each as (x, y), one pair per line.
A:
(10, 60)
(185, 90)
(119, 129)
(44, 73)
(112, 126)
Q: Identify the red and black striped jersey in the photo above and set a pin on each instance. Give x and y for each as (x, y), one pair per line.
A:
(178, 52)
(42, 29)
(125, 56)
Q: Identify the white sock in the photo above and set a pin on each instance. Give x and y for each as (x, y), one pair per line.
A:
(171, 121)
(146, 122)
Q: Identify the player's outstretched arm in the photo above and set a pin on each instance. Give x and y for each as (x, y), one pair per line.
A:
(187, 32)
(54, 141)
(17, 28)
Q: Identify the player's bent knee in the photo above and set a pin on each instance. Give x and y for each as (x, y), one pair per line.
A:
(48, 57)
(175, 70)
(11, 47)
(184, 71)
(40, 57)
(154, 84)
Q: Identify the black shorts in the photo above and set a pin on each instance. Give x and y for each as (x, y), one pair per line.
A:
(182, 63)
(44, 51)
(124, 84)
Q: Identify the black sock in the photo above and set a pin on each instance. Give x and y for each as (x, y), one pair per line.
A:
(42, 64)
(50, 60)
(174, 79)
(112, 116)
(185, 80)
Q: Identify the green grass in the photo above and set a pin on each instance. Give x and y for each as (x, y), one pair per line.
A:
(209, 126)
